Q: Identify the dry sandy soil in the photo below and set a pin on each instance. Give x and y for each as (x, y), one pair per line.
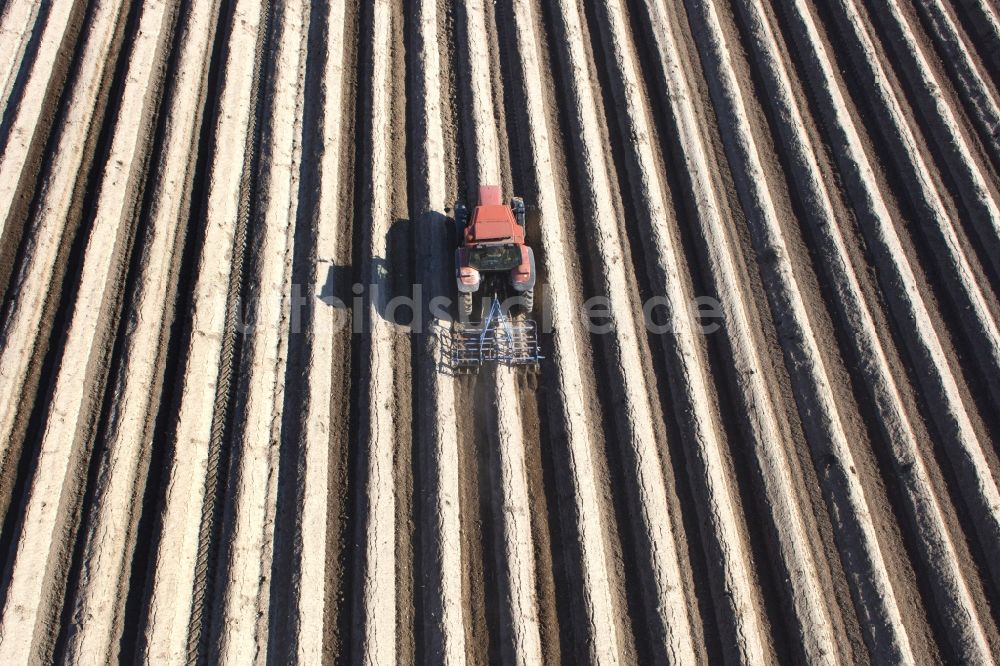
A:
(200, 462)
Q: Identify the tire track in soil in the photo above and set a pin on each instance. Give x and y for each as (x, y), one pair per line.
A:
(532, 391)
(472, 535)
(249, 523)
(173, 628)
(215, 539)
(532, 385)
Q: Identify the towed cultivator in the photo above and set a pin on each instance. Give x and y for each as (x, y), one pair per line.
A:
(498, 338)
(494, 262)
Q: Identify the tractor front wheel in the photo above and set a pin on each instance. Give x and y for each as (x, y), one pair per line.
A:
(461, 220)
(517, 207)
(466, 304)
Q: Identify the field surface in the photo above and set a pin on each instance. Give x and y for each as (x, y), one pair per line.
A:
(219, 440)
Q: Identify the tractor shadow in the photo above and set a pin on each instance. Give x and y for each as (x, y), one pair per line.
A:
(383, 282)
(336, 289)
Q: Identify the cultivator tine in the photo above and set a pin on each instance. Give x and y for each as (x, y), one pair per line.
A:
(497, 339)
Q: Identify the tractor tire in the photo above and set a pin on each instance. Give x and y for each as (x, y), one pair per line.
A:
(465, 301)
(517, 206)
(528, 301)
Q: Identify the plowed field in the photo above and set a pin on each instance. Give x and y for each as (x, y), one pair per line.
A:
(766, 424)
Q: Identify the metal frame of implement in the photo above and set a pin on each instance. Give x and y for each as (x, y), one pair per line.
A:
(497, 339)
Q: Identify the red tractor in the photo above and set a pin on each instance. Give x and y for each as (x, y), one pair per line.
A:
(493, 258)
